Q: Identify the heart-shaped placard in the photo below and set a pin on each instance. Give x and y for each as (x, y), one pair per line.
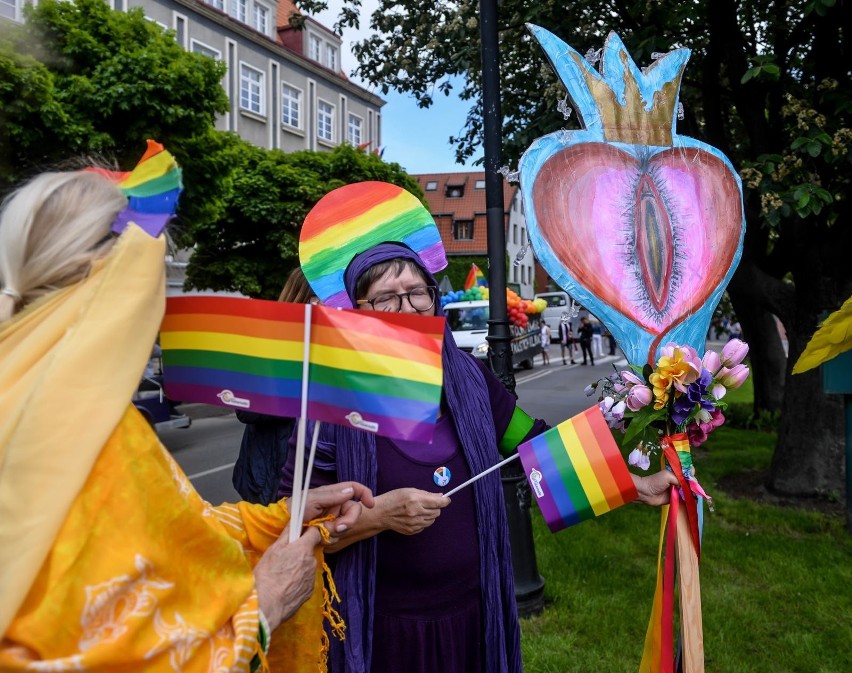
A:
(644, 237)
(640, 225)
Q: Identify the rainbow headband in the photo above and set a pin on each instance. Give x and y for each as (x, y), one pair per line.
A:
(355, 218)
(152, 190)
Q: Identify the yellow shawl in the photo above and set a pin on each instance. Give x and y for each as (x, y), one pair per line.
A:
(109, 559)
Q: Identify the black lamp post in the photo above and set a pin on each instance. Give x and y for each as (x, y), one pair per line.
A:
(529, 585)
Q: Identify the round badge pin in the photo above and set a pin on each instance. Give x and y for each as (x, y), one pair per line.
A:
(442, 476)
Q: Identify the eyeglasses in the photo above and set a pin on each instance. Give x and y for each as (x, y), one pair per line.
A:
(421, 298)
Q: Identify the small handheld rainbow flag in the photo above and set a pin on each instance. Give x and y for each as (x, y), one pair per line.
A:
(378, 372)
(152, 190)
(474, 277)
(576, 470)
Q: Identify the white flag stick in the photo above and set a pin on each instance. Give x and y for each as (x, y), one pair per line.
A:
(481, 474)
(296, 499)
(309, 470)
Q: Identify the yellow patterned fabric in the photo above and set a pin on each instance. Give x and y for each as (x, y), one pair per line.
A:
(109, 559)
(144, 575)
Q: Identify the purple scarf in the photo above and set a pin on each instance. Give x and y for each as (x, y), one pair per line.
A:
(469, 406)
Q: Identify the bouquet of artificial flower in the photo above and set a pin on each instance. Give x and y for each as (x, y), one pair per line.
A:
(677, 402)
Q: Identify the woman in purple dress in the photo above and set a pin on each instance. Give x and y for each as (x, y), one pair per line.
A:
(426, 582)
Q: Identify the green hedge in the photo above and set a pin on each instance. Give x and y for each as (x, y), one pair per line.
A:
(459, 267)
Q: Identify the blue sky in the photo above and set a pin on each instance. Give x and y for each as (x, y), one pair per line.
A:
(415, 138)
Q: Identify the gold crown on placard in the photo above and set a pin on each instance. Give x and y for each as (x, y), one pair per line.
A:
(634, 119)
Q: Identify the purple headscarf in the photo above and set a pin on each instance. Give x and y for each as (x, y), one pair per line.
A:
(469, 406)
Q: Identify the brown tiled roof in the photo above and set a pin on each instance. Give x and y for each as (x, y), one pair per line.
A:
(285, 9)
(470, 206)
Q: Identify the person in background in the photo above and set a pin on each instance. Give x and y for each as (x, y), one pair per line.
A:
(263, 450)
(109, 558)
(597, 341)
(426, 583)
(585, 333)
(566, 340)
(545, 342)
(735, 330)
(610, 340)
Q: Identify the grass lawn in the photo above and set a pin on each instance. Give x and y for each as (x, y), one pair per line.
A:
(776, 582)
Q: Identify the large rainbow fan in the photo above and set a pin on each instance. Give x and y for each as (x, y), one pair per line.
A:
(354, 218)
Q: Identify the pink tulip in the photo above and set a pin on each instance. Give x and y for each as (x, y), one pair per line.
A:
(638, 397)
(734, 377)
(630, 378)
(711, 361)
(734, 352)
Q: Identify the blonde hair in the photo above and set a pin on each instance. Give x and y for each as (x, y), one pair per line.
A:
(51, 230)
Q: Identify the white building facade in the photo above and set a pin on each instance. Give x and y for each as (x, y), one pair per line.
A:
(285, 86)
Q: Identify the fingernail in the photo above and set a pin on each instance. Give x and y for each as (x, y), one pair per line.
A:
(348, 489)
(341, 527)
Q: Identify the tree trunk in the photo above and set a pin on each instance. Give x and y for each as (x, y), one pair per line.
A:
(753, 293)
(809, 456)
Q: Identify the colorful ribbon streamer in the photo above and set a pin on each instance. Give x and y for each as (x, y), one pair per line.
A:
(681, 526)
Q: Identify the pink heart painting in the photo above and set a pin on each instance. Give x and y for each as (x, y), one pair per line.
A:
(643, 226)
(646, 236)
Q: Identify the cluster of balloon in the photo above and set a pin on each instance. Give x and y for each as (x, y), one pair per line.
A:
(520, 309)
(476, 293)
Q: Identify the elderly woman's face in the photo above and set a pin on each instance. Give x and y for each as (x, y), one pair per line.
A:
(406, 291)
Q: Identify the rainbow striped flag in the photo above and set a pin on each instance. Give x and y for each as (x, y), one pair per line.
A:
(576, 471)
(378, 372)
(152, 190)
(475, 277)
(355, 218)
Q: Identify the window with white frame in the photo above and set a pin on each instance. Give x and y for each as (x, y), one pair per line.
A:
(159, 23)
(239, 10)
(325, 121)
(251, 90)
(218, 4)
(291, 106)
(431, 186)
(9, 10)
(480, 184)
(261, 18)
(205, 50)
(331, 56)
(354, 129)
(314, 48)
(463, 230)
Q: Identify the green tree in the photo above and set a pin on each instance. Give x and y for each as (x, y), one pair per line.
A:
(80, 79)
(255, 243)
(767, 84)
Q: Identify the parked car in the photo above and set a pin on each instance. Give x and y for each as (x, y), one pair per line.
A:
(156, 408)
(151, 401)
(558, 302)
(468, 321)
